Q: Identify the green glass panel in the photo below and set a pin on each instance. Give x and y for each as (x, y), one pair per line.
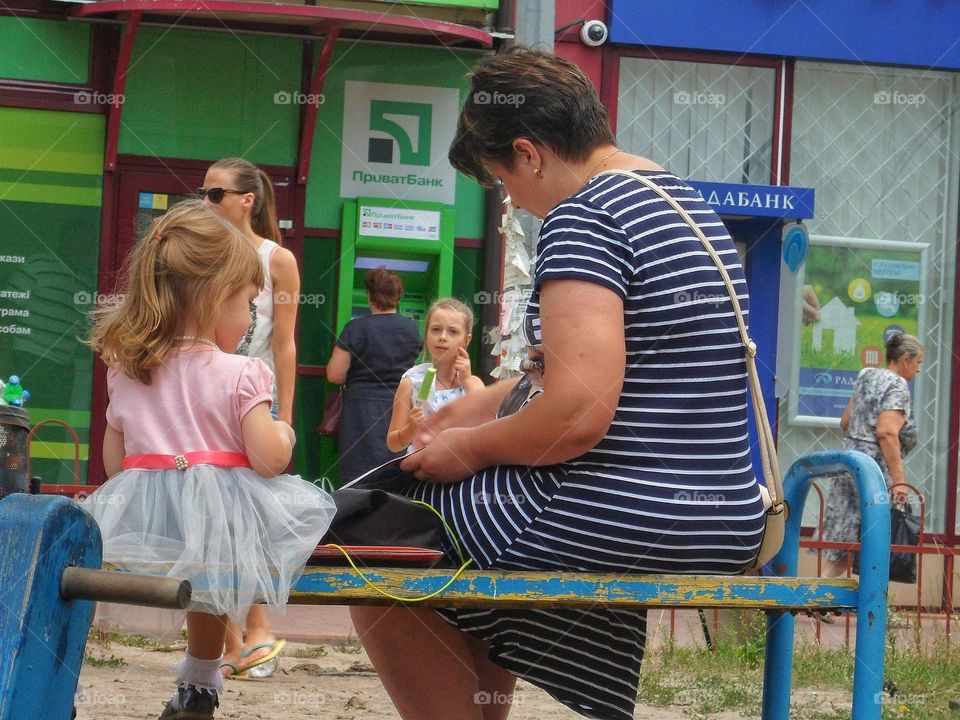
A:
(315, 456)
(383, 64)
(206, 95)
(44, 50)
(319, 289)
(50, 181)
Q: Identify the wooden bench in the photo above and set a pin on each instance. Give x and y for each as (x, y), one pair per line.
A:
(779, 595)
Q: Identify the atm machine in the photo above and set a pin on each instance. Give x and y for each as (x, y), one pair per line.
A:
(765, 222)
(413, 239)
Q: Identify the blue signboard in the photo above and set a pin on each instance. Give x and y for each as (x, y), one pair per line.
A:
(896, 32)
(757, 200)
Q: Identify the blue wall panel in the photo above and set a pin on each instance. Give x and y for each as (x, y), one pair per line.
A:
(897, 32)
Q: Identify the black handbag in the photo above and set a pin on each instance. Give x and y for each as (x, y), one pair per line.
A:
(904, 530)
(380, 518)
(369, 515)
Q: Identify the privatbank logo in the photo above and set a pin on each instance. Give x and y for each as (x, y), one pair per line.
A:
(387, 116)
(395, 140)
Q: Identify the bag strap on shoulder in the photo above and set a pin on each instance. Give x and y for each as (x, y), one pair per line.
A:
(768, 451)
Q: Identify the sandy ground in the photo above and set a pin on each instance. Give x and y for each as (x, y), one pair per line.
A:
(338, 685)
(330, 677)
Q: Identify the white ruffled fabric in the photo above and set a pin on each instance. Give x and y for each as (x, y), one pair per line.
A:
(239, 538)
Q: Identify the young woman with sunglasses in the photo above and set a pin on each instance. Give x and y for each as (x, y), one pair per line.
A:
(242, 193)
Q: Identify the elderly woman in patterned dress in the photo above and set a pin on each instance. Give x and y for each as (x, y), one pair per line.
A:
(879, 422)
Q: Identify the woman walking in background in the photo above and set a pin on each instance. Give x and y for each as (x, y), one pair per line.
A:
(878, 422)
(370, 357)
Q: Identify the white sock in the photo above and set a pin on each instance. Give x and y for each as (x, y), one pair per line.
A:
(202, 674)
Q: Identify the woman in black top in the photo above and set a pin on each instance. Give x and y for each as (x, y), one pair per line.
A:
(371, 354)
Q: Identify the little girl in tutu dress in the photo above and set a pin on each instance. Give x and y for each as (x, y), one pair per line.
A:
(192, 452)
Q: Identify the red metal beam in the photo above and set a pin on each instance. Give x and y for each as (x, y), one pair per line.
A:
(309, 15)
(310, 114)
(119, 85)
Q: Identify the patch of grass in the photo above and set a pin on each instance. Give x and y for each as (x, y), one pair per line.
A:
(701, 682)
(314, 651)
(814, 666)
(106, 639)
(350, 646)
(111, 661)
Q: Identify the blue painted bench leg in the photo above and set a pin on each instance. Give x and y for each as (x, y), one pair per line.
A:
(42, 636)
(872, 597)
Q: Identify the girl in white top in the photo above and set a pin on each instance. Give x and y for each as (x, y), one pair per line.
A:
(446, 339)
(243, 194)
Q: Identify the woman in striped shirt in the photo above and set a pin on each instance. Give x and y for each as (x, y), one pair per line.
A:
(635, 456)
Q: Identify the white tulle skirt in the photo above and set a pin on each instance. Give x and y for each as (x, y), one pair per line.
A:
(239, 538)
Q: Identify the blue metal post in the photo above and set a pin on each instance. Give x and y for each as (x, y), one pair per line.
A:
(42, 636)
(872, 594)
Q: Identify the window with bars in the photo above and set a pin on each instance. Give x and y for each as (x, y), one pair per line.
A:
(702, 121)
(880, 147)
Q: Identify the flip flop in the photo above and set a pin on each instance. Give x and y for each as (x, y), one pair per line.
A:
(275, 647)
(236, 671)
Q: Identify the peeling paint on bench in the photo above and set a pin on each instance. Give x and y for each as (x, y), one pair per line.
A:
(476, 588)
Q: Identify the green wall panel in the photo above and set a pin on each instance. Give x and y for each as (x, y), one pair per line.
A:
(467, 284)
(316, 456)
(44, 50)
(50, 189)
(385, 64)
(207, 95)
(319, 289)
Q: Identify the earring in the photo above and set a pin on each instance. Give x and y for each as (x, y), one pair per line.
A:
(538, 172)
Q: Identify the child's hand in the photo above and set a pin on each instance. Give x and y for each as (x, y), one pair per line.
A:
(461, 367)
(415, 417)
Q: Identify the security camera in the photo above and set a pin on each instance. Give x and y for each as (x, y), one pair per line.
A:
(594, 33)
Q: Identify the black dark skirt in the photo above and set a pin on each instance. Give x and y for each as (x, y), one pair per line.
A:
(364, 422)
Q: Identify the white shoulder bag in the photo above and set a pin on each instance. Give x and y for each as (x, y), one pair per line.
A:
(776, 517)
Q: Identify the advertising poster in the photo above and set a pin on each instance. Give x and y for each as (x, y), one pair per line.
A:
(854, 294)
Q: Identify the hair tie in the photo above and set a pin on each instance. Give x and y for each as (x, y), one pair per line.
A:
(159, 237)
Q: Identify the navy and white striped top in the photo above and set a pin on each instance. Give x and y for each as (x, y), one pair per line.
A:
(670, 488)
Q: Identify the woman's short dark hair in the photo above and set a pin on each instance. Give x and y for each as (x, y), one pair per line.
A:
(384, 288)
(525, 93)
(900, 344)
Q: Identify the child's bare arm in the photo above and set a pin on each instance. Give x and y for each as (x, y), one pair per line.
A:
(267, 442)
(113, 451)
(464, 376)
(405, 419)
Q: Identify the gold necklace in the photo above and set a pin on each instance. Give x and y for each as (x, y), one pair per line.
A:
(195, 339)
(590, 175)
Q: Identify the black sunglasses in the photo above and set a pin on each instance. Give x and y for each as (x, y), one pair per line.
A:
(216, 194)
